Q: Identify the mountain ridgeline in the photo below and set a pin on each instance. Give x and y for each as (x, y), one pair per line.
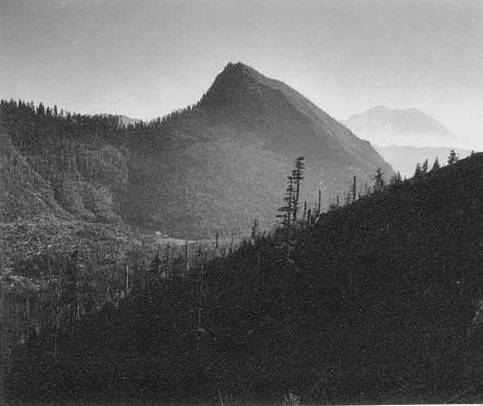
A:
(385, 126)
(212, 167)
(376, 302)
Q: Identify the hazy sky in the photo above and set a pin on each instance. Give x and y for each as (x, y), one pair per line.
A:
(145, 58)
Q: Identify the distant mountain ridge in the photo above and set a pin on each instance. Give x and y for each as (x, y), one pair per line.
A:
(385, 126)
(215, 166)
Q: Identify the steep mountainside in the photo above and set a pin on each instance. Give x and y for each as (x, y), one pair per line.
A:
(62, 177)
(384, 126)
(24, 194)
(70, 166)
(223, 162)
(212, 167)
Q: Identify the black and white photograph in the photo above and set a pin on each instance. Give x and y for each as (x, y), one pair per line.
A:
(241, 202)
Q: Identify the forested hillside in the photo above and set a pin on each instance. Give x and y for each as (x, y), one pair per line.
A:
(374, 302)
(232, 151)
(59, 165)
(213, 167)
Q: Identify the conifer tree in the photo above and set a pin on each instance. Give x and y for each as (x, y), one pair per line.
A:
(297, 175)
(40, 109)
(396, 179)
(418, 172)
(453, 158)
(436, 165)
(255, 231)
(378, 180)
(287, 211)
(153, 273)
(425, 166)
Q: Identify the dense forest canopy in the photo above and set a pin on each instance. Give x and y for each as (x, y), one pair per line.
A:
(375, 301)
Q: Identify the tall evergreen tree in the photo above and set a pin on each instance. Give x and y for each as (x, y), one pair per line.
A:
(396, 179)
(297, 175)
(378, 180)
(154, 274)
(436, 165)
(418, 172)
(287, 210)
(452, 157)
(255, 230)
(425, 166)
(40, 109)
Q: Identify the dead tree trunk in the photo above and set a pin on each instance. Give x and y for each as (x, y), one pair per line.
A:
(186, 265)
(354, 191)
(318, 204)
(200, 293)
(57, 312)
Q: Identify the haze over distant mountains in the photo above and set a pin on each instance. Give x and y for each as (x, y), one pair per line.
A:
(214, 166)
(405, 137)
(385, 126)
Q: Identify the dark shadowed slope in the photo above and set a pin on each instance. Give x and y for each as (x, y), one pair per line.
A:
(378, 302)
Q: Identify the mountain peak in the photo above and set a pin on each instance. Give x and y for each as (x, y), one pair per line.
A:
(237, 67)
(385, 126)
(243, 97)
(378, 108)
(381, 109)
(238, 71)
(234, 82)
